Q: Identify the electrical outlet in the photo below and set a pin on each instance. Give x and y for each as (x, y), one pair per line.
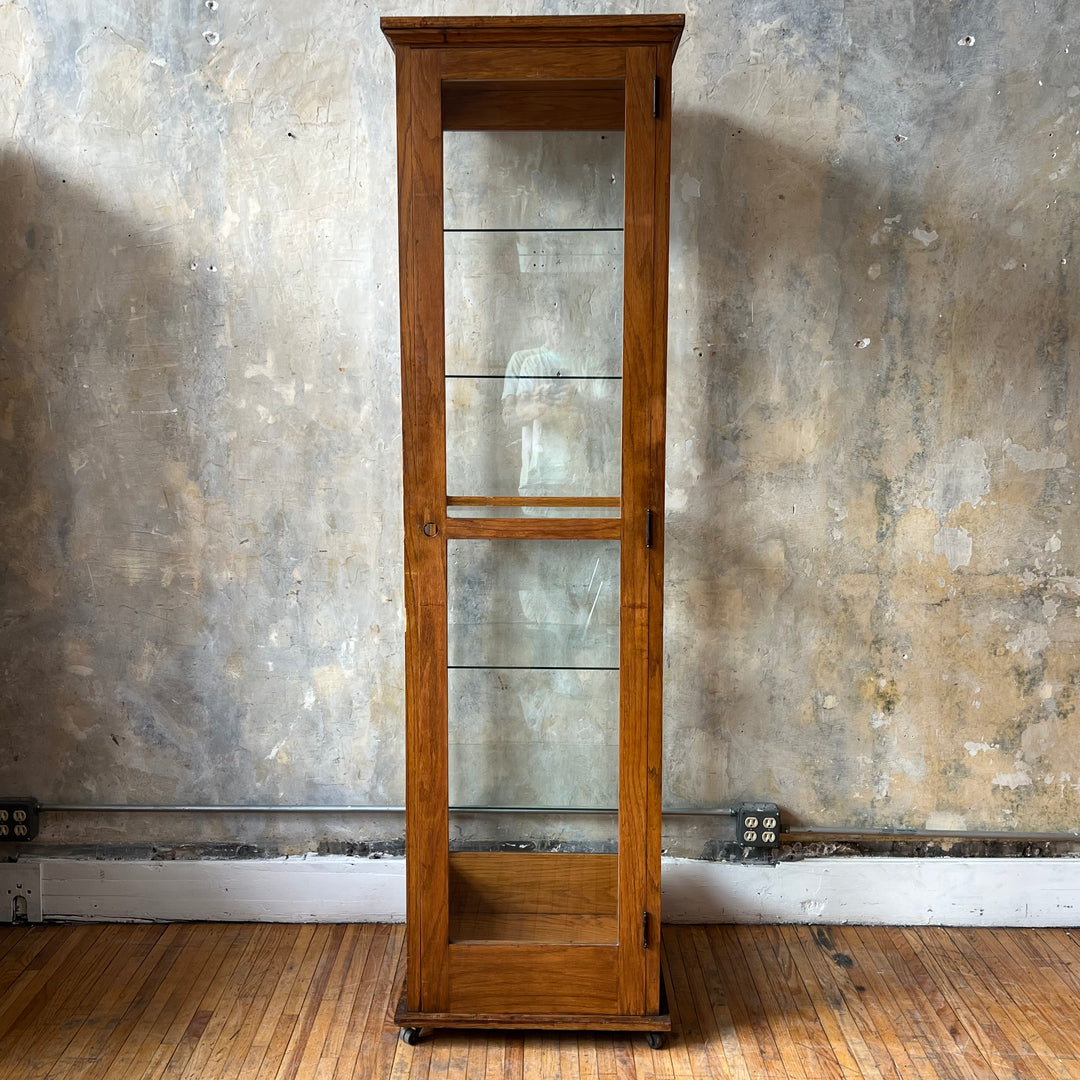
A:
(757, 825)
(18, 819)
(20, 892)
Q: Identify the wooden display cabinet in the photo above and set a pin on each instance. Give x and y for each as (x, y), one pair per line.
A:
(533, 187)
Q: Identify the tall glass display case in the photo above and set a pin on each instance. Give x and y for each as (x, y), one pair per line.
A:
(533, 199)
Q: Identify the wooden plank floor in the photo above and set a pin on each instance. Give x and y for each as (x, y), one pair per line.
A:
(239, 1002)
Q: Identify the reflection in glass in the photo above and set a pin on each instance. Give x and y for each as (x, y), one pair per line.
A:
(533, 433)
(534, 738)
(510, 291)
(532, 179)
(533, 603)
(533, 257)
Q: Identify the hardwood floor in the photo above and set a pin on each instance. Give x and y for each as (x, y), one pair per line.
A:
(224, 1001)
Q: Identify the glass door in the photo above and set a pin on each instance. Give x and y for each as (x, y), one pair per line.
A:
(533, 272)
(533, 298)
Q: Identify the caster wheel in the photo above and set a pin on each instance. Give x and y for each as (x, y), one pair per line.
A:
(410, 1036)
(656, 1040)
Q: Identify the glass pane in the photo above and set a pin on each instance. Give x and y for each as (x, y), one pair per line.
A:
(533, 289)
(545, 739)
(533, 179)
(533, 433)
(514, 293)
(533, 603)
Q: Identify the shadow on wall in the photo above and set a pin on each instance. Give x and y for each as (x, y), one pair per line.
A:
(860, 355)
(108, 379)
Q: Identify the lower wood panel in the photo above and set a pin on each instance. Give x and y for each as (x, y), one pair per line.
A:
(270, 1002)
(519, 978)
(543, 927)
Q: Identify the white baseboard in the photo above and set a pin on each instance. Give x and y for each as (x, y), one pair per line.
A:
(313, 888)
(877, 891)
(309, 888)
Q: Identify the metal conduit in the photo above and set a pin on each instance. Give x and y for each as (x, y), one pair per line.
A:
(925, 834)
(788, 832)
(110, 808)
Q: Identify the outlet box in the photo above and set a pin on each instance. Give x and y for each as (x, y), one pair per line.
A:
(757, 825)
(18, 819)
(20, 892)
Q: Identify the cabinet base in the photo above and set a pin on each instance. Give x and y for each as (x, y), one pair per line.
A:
(413, 1021)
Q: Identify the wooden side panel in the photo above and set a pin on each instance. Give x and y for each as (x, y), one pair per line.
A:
(657, 392)
(412, 600)
(424, 458)
(574, 979)
(638, 490)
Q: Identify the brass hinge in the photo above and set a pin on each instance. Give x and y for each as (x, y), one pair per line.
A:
(648, 528)
(644, 929)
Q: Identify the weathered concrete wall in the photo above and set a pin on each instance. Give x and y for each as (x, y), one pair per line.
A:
(873, 417)
(874, 597)
(201, 478)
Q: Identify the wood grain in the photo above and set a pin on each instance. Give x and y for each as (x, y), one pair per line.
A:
(532, 30)
(523, 979)
(483, 927)
(424, 487)
(656, 390)
(533, 897)
(573, 105)
(553, 62)
(507, 881)
(242, 1002)
(636, 898)
(522, 528)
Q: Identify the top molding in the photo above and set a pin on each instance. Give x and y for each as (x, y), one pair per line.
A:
(510, 30)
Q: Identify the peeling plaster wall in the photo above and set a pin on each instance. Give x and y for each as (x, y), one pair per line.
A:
(873, 552)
